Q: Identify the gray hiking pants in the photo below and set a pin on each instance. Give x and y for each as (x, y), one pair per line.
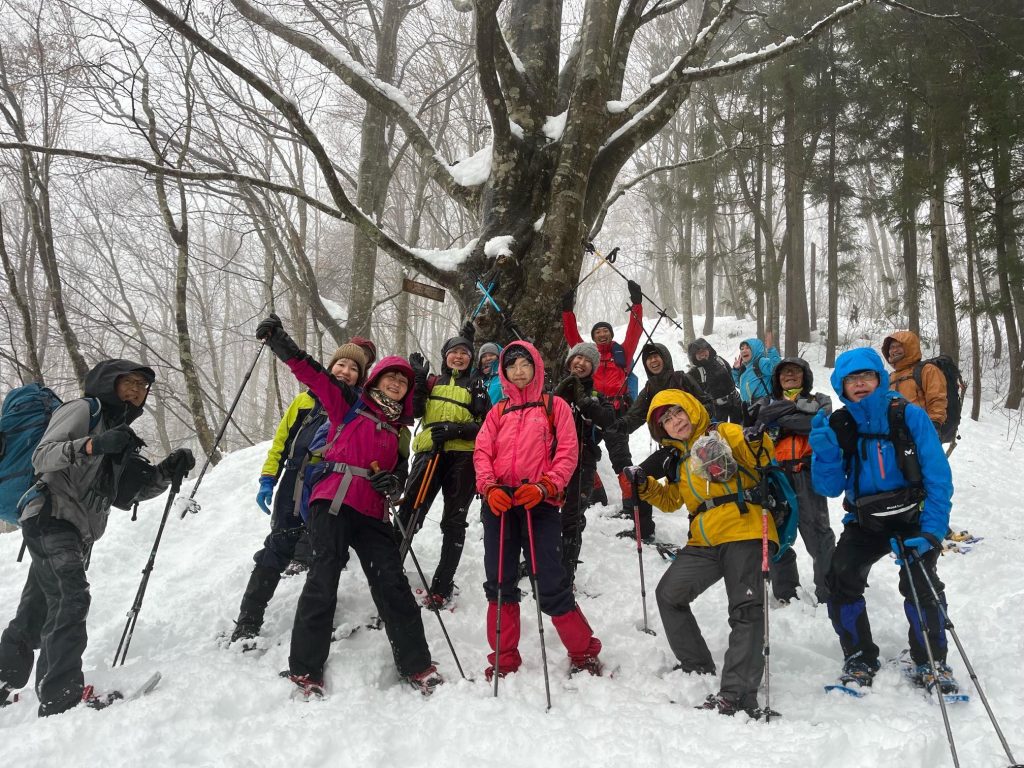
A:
(817, 536)
(51, 617)
(693, 571)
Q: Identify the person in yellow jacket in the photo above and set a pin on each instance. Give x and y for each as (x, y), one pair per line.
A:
(716, 479)
(286, 463)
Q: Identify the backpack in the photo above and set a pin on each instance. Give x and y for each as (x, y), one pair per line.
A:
(775, 493)
(504, 407)
(955, 388)
(632, 383)
(24, 417)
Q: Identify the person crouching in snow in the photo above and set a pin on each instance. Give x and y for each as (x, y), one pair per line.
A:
(349, 508)
(725, 541)
(525, 454)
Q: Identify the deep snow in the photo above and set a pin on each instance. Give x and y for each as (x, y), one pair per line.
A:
(221, 707)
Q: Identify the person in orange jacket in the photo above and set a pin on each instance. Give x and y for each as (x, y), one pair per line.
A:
(902, 350)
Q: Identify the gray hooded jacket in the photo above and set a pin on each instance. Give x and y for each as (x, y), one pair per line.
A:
(80, 487)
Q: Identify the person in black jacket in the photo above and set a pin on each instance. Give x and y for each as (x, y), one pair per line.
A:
(787, 415)
(87, 461)
(715, 375)
(661, 375)
(592, 414)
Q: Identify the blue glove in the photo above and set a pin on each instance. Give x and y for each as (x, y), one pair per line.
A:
(914, 548)
(266, 494)
(822, 439)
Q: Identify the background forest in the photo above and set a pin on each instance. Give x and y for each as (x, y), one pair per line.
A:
(169, 174)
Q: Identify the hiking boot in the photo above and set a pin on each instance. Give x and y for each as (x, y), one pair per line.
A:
(489, 674)
(426, 681)
(630, 533)
(95, 700)
(858, 671)
(695, 669)
(246, 628)
(943, 676)
(590, 664)
(726, 706)
(5, 692)
(307, 686)
(295, 567)
(599, 496)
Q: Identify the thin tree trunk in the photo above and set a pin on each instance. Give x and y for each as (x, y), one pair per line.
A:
(34, 368)
(972, 301)
(942, 277)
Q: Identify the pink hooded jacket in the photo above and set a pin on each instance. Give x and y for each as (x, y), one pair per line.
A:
(514, 447)
(363, 440)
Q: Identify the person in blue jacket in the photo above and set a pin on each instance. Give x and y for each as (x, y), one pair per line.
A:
(487, 369)
(886, 499)
(753, 367)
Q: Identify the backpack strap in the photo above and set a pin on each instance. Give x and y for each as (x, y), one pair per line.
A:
(544, 403)
(903, 446)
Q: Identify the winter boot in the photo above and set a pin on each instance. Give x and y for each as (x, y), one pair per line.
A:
(598, 495)
(436, 601)
(630, 533)
(943, 677)
(262, 583)
(725, 705)
(452, 543)
(591, 665)
(95, 700)
(859, 672)
(426, 681)
(307, 687)
(578, 639)
(509, 659)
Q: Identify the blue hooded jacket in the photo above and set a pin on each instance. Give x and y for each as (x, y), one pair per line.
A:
(754, 379)
(880, 472)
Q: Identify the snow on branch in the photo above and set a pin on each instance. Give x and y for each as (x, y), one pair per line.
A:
(374, 91)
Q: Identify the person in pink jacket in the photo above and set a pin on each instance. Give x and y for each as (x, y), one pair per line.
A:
(525, 453)
(364, 466)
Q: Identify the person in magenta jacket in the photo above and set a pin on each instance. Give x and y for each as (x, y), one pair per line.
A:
(525, 453)
(362, 469)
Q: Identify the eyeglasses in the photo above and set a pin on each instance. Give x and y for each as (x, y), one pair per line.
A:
(135, 382)
(672, 413)
(860, 377)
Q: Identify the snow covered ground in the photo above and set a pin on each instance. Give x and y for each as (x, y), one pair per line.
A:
(218, 707)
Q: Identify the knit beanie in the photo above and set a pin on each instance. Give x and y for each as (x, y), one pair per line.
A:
(368, 347)
(513, 353)
(489, 348)
(601, 324)
(350, 351)
(587, 350)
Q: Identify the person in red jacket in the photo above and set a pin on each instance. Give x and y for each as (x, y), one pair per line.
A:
(525, 453)
(362, 469)
(613, 377)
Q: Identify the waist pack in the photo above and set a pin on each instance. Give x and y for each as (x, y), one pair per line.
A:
(889, 512)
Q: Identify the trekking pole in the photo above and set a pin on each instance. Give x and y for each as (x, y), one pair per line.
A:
(640, 557)
(497, 622)
(192, 505)
(506, 320)
(536, 599)
(601, 261)
(766, 648)
(922, 622)
(426, 587)
(421, 494)
(590, 247)
(967, 663)
(133, 612)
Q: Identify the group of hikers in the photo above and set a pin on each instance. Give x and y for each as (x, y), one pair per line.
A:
(345, 472)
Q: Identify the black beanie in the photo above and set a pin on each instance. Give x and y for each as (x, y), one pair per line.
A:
(601, 324)
(514, 353)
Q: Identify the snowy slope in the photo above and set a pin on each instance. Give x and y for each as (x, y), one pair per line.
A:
(219, 707)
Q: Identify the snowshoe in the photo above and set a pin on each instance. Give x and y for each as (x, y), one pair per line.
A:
(95, 700)
(591, 665)
(630, 533)
(438, 602)
(295, 567)
(667, 551)
(726, 706)
(426, 681)
(307, 688)
(856, 677)
(922, 676)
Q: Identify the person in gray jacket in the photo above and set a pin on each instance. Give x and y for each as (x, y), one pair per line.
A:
(87, 461)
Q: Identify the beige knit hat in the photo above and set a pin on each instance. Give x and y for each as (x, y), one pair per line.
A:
(351, 352)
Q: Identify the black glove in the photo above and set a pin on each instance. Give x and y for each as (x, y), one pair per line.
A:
(468, 331)
(116, 441)
(569, 389)
(178, 463)
(267, 327)
(386, 484)
(636, 475)
(753, 433)
(419, 364)
(568, 300)
(280, 343)
(444, 431)
(636, 296)
(843, 424)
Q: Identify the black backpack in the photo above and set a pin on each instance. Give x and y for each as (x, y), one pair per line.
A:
(955, 388)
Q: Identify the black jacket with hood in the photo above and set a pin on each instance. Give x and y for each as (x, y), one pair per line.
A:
(81, 488)
(783, 417)
(669, 378)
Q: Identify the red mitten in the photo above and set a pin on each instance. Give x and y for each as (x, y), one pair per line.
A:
(498, 500)
(529, 495)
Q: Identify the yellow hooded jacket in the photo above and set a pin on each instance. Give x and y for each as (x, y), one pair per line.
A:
(725, 522)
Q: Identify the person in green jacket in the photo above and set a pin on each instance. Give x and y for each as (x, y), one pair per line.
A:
(450, 407)
(285, 468)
